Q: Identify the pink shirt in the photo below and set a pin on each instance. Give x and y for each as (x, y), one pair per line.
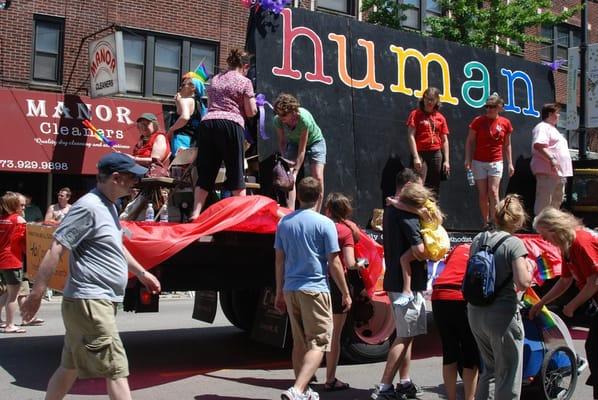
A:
(226, 97)
(556, 144)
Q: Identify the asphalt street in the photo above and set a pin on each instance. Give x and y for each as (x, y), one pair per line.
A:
(172, 356)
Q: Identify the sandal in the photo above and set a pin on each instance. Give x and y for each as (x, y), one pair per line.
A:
(15, 330)
(34, 322)
(335, 386)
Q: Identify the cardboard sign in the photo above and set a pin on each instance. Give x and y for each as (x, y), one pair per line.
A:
(205, 305)
(39, 240)
(270, 326)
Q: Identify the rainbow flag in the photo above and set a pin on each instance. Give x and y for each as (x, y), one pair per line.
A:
(529, 299)
(545, 270)
(99, 134)
(200, 73)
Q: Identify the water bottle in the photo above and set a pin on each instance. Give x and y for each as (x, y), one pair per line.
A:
(470, 178)
(164, 213)
(149, 212)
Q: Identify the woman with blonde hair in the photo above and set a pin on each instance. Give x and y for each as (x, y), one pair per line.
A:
(231, 99)
(12, 237)
(579, 248)
(299, 137)
(497, 327)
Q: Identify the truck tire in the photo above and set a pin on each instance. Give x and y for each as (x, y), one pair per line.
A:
(239, 306)
(368, 332)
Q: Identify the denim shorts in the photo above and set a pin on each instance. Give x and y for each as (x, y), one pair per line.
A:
(315, 152)
(482, 170)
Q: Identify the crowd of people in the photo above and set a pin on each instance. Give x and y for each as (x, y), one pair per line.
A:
(316, 262)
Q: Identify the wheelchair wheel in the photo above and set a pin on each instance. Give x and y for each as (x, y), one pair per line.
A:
(559, 374)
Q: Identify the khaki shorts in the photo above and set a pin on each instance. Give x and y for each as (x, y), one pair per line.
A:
(310, 314)
(92, 345)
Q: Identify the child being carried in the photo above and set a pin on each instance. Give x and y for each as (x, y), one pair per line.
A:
(417, 199)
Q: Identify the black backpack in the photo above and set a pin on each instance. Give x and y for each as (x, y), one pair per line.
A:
(479, 283)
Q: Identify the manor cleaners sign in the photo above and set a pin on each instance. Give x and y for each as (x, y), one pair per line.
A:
(107, 65)
(44, 132)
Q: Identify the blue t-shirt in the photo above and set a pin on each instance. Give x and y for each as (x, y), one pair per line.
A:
(306, 238)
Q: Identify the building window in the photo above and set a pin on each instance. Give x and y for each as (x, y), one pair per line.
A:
(419, 11)
(134, 46)
(561, 37)
(154, 63)
(47, 50)
(337, 6)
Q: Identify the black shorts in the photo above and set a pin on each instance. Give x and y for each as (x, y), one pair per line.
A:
(458, 343)
(220, 140)
(12, 276)
(355, 287)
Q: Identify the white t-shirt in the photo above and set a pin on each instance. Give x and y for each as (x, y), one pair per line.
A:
(556, 144)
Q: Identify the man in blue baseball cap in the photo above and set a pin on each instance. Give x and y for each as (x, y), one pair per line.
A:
(98, 273)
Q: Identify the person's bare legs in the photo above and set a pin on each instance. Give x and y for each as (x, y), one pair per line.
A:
(493, 189)
(200, 196)
(470, 382)
(405, 260)
(396, 358)
(11, 306)
(60, 383)
(449, 376)
(406, 363)
(2, 304)
(118, 389)
(482, 185)
(317, 171)
(297, 357)
(310, 364)
(338, 321)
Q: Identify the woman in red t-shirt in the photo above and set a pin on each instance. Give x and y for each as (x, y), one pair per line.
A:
(152, 145)
(488, 141)
(338, 208)
(427, 132)
(579, 248)
(12, 236)
(450, 315)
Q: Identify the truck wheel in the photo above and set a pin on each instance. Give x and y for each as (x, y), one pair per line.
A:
(369, 330)
(239, 306)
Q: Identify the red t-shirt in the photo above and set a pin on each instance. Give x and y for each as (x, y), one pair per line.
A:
(145, 150)
(429, 129)
(345, 239)
(583, 257)
(12, 234)
(490, 136)
(447, 285)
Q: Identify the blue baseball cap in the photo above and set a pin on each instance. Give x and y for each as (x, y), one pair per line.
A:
(119, 162)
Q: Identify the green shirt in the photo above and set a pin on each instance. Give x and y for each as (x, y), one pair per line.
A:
(305, 121)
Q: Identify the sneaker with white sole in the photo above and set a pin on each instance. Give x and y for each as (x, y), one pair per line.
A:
(311, 394)
(293, 394)
(388, 394)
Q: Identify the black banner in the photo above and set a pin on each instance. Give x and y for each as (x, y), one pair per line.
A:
(360, 81)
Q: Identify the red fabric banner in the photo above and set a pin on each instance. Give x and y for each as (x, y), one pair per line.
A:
(152, 243)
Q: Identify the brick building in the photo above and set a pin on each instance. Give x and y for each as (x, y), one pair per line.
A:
(44, 48)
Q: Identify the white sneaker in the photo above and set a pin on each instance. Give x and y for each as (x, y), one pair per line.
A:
(293, 394)
(311, 394)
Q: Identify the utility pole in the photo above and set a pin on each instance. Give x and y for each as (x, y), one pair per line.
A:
(583, 47)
